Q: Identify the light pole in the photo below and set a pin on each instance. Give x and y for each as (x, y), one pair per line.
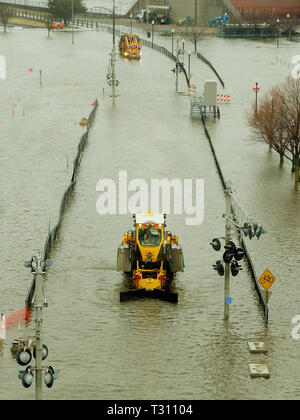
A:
(256, 90)
(227, 299)
(152, 31)
(278, 32)
(72, 22)
(131, 23)
(40, 351)
(172, 34)
(38, 339)
(113, 56)
(177, 66)
(288, 25)
(189, 66)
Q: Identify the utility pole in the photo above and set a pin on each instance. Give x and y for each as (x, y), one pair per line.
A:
(189, 66)
(111, 76)
(40, 351)
(38, 305)
(177, 66)
(113, 57)
(172, 33)
(72, 22)
(227, 264)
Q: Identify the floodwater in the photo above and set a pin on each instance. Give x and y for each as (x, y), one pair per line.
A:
(143, 349)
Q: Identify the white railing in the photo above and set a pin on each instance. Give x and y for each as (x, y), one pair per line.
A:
(43, 4)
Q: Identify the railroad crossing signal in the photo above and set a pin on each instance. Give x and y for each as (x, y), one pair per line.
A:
(267, 279)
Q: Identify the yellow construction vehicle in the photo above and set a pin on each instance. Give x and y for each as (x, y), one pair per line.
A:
(130, 46)
(150, 256)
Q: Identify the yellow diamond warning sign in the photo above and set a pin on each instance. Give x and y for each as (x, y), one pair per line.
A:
(267, 279)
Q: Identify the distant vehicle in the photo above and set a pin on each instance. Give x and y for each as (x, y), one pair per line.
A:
(130, 46)
(161, 20)
(219, 20)
(142, 16)
(186, 21)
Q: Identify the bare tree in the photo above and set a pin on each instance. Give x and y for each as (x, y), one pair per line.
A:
(5, 15)
(291, 120)
(277, 122)
(195, 34)
(267, 123)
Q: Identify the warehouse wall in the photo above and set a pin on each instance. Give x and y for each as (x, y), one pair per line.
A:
(200, 10)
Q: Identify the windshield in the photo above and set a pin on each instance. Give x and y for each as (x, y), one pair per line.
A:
(150, 237)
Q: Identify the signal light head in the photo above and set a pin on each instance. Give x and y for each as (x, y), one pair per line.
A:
(227, 256)
(48, 377)
(235, 268)
(216, 244)
(260, 231)
(44, 352)
(26, 377)
(219, 267)
(239, 254)
(23, 357)
(230, 246)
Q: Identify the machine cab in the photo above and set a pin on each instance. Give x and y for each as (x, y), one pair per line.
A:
(149, 234)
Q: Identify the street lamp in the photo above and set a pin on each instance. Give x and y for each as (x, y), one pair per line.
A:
(256, 90)
(131, 24)
(152, 31)
(278, 31)
(72, 22)
(189, 66)
(288, 25)
(172, 33)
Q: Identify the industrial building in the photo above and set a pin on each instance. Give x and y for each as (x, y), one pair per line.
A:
(202, 10)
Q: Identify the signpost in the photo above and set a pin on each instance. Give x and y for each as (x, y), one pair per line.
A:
(256, 90)
(267, 279)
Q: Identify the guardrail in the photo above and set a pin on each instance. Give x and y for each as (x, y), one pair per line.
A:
(54, 233)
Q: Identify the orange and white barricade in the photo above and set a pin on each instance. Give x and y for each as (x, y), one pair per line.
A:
(225, 99)
(2, 327)
(193, 89)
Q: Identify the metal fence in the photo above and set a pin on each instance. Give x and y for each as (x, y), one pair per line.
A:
(202, 58)
(54, 233)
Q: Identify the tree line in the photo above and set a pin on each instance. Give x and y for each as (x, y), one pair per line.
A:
(276, 122)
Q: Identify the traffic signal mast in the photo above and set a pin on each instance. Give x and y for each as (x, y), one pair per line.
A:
(35, 348)
(235, 216)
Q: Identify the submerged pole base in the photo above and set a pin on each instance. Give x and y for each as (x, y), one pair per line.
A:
(142, 293)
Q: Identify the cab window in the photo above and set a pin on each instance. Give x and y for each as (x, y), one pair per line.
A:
(149, 237)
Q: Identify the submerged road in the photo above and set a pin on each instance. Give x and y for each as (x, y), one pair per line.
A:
(146, 348)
